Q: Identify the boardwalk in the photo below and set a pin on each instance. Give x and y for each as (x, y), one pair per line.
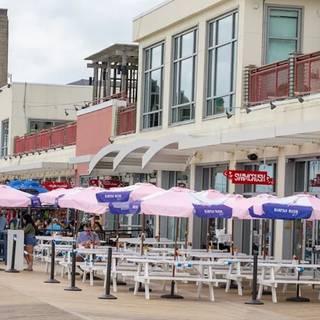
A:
(25, 296)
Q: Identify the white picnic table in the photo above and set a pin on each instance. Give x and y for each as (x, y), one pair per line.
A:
(273, 274)
(148, 271)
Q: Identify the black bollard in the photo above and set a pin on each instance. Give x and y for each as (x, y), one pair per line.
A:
(254, 282)
(52, 266)
(13, 256)
(73, 271)
(107, 295)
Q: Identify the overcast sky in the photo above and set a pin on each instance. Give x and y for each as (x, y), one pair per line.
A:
(48, 39)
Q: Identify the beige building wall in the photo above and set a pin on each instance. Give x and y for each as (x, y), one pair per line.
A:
(24, 101)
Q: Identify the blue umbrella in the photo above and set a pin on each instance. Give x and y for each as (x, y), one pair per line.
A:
(29, 186)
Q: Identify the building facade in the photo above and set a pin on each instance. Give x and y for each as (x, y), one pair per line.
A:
(3, 47)
(37, 129)
(227, 85)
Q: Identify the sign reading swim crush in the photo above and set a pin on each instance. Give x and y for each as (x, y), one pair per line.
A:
(212, 211)
(249, 177)
(285, 211)
(113, 196)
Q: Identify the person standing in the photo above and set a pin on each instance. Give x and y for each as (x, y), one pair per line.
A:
(29, 240)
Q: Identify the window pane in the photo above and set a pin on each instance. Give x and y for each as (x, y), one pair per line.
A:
(221, 104)
(283, 27)
(156, 57)
(300, 177)
(270, 168)
(210, 73)
(209, 108)
(176, 84)
(177, 48)
(184, 113)
(211, 33)
(147, 59)
(187, 44)
(186, 81)
(146, 92)
(155, 78)
(314, 176)
(223, 70)
(225, 30)
(280, 49)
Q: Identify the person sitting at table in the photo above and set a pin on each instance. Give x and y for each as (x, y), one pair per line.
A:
(87, 238)
(54, 226)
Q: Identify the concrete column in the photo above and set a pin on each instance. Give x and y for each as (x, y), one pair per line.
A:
(95, 83)
(108, 80)
(278, 232)
(124, 73)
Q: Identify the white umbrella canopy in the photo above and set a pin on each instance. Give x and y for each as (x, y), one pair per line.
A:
(13, 198)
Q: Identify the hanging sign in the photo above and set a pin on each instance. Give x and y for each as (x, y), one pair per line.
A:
(52, 185)
(249, 177)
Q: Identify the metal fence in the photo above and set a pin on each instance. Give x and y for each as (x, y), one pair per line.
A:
(55, 137)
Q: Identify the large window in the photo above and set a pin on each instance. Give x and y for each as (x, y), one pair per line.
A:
(37, 125)
(271, 169)
(283, 33)
(222, 53)
(307, 176)
(184, 60)
(153, 78)
(4, 137)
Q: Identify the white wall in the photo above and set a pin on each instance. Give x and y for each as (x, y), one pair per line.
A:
(39, 101)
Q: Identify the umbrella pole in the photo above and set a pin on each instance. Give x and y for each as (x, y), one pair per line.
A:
(186, 234)
(232, 237)
(119, 282)
(141, 288)
(208, 235)
(172, 294)
(159, 228)
(298, 298)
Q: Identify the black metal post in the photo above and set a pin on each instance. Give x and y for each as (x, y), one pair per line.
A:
(52, 266)
(254, 281)
(13, 256)
(73, 271)
(298, 298)
(107, 294)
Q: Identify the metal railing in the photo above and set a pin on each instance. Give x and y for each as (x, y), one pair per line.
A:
(269, 82)
(55, 137)
(299, 75)
(126, 120)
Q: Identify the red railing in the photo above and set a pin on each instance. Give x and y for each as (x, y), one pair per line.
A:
(64, 135)
(126, 120)
(272, 82)
(269, 82)
(307, 73)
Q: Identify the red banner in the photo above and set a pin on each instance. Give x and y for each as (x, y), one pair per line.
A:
(249, 177)
(52, 185)
(107, 184)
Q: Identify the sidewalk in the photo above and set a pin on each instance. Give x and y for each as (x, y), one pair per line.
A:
(26, 296)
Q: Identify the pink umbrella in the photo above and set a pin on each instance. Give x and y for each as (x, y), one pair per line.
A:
(83, 200)
(255, 203)
(13, 198)
(50, 198)
(175, 202)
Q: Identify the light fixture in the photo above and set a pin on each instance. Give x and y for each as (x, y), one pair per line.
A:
(272, 105)
(300, 99)
(229, 115)
(76, 108)
(66, 112)
(248, 110)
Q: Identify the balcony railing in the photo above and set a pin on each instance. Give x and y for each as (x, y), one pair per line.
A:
(126, 120)
(60, 136)
(299, 75)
